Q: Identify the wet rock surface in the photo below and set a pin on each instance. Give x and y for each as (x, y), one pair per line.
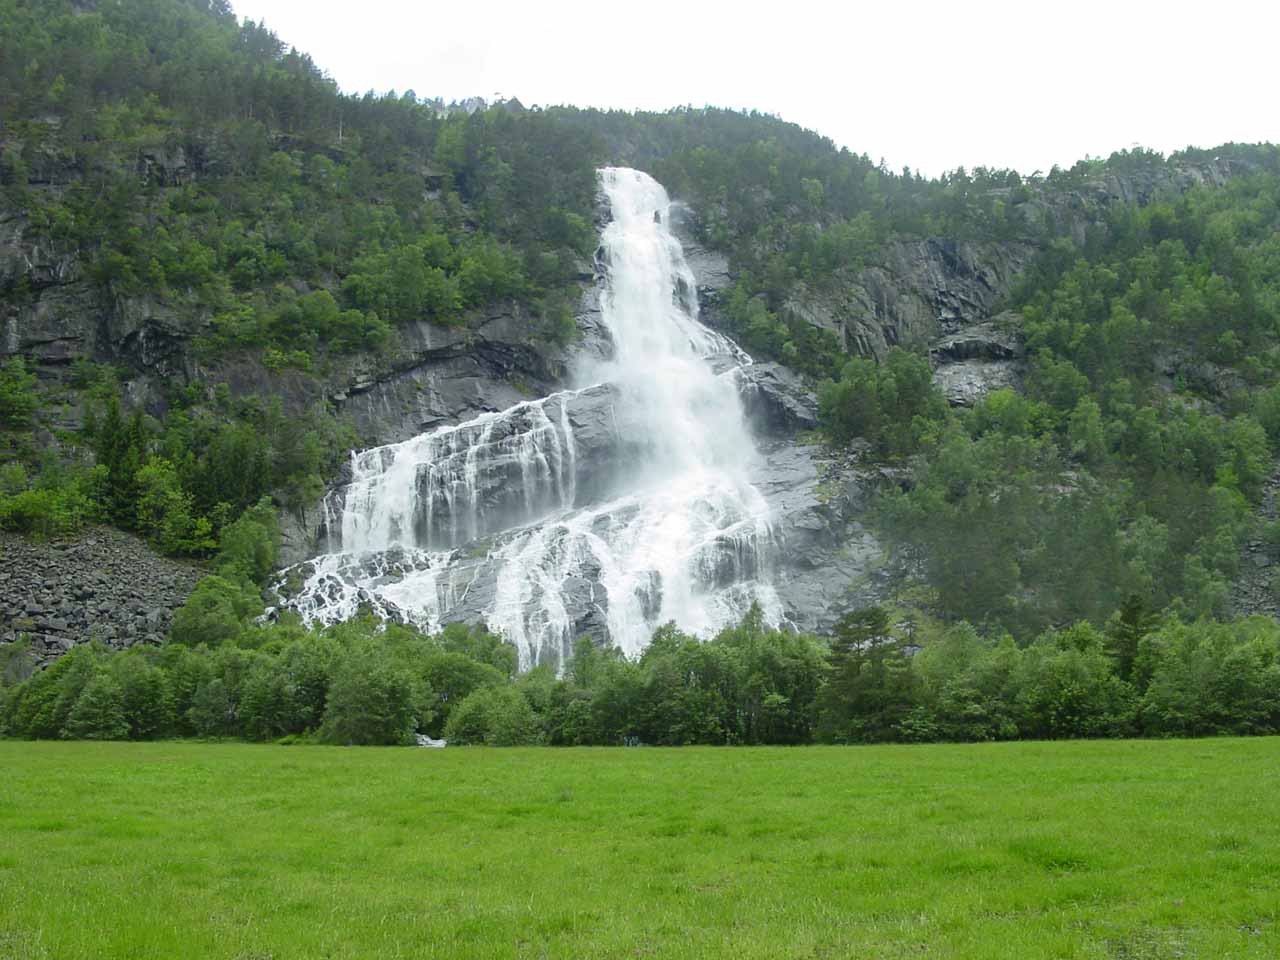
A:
(824, 560)
(106, 585)
(500, 540)
(828, 561)
(451, 374)
(776, 400)
(585, 422)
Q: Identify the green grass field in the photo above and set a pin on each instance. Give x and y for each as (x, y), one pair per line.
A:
(1111, 849)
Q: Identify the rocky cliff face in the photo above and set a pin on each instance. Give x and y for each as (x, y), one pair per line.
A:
(920, 290)
(917, 292)
(945, 296)
(54, 313)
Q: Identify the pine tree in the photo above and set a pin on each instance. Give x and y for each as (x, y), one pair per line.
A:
(121, 447)
(1132, 622)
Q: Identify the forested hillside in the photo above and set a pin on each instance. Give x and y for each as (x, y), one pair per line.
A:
(182, 194)
(205, 247)
(1147, 429)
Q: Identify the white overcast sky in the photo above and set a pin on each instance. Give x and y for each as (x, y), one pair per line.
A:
(932, 85)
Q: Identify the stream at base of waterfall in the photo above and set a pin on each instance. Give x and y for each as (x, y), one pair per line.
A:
(604, 511)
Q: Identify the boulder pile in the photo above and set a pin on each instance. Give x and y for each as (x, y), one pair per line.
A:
(105, 585)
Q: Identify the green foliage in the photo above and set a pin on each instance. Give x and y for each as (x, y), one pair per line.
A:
(1045, 511)
(453, 676)
(875, 679)
(39, 708)
(59, 502)
(164, 511)
(496, 716)
(964, 689)
(215, 612)
(189, 488)
(212, 712)
(1197, 275)
(749, 684)
(248, 545)
(121, 449)
(406, 284)
(287, 694)
(893, 405)
(479, 645)
(1183, 680)
(870, 690)
(1147, 427)
(210, 165)
(372, 702)
(18, 397)
(316, 317)
(1066, 688)
(99, 712)
(1125, 631)
(145, 699)
(557, 322)
(16, 664)
(1208, 679)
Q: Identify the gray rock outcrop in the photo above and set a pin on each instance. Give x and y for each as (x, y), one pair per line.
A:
(777, 400)
(977, 359)
(917, 292)
(828, 560)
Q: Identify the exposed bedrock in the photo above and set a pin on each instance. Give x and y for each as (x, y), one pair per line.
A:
(777, 400)
(824, 560)
(977, 359)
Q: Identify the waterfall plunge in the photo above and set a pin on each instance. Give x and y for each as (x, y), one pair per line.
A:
(682, 534)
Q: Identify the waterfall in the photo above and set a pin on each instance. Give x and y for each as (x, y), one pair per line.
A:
(607, 510)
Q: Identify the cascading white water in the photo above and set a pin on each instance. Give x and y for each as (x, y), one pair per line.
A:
(681, 535)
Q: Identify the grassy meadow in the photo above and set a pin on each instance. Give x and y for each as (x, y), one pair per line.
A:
(1128, 850)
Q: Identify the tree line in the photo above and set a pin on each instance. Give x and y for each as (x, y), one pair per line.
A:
(224, 674)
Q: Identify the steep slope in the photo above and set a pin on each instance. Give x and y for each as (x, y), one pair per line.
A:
(195, 224)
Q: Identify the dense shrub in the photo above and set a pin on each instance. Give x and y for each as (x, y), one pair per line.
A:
(99, 711)
(215, 611)
(54, 510)
(1211, 678)
(452, 677)
(40, 708)
(497, 716)
(247, 546)
(371, 701)
(1067, 688)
